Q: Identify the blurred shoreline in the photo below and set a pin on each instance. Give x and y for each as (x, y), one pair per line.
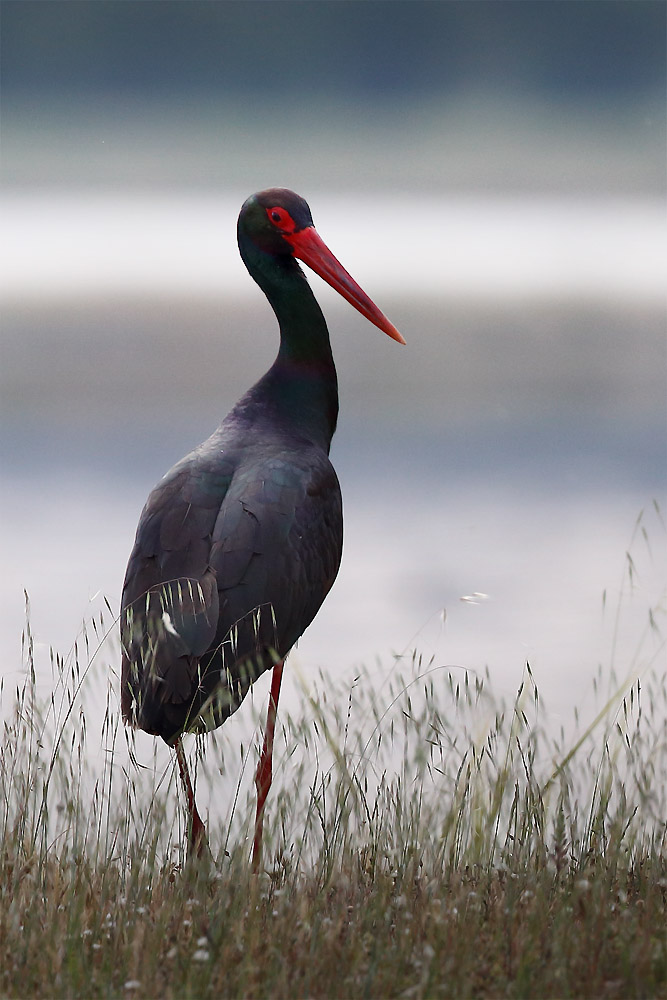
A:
(472, 141)
(60, 246)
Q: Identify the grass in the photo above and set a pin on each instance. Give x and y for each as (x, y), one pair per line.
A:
(422, 840)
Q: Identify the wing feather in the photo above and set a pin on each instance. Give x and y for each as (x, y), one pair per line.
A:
(232, 560)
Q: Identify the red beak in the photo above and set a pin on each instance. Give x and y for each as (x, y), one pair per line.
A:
(309, 247)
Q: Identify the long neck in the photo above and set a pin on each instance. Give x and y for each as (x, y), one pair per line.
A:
(301, 385)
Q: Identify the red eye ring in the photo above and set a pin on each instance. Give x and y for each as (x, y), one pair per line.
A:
(281, 219)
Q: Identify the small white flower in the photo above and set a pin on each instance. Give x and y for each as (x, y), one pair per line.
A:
(475, 598)
(200, 955)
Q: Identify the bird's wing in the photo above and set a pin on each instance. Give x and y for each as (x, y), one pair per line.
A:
(170, 607)
(276, 548)
(231, 563)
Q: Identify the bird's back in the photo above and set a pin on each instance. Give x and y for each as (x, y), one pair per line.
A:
(236, 549)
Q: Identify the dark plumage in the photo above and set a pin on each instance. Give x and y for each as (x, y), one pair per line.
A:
(239, 544)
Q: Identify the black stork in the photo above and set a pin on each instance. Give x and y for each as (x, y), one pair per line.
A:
(239, 544)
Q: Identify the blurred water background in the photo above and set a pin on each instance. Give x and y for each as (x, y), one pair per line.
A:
(493, 174)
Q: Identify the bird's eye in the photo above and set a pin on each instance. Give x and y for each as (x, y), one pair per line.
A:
(281, 218)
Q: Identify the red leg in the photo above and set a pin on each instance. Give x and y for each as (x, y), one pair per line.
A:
(265, 766)
(197, 831)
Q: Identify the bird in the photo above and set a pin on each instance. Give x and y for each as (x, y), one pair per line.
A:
(240, 542)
